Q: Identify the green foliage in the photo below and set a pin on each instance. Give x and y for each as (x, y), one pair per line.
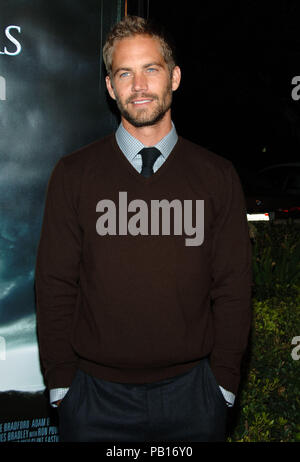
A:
(276, 259)
(267, 408)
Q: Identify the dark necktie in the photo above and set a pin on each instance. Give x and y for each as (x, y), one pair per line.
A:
(149, 156)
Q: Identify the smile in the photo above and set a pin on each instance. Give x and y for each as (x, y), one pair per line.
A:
(142, 101)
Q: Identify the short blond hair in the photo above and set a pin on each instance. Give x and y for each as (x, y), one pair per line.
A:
(135, 25)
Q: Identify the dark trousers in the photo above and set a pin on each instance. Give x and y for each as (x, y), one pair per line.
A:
(189, 407)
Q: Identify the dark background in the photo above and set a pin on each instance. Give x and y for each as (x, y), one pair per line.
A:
(238, 59)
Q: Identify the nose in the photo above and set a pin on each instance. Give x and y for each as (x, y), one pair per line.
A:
(139, 82)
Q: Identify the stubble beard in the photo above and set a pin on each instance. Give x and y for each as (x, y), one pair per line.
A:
(143, 118)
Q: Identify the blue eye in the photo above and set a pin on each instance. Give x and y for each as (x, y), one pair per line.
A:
(124, 74)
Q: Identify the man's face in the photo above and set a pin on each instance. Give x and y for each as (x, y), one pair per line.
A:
(141, 83)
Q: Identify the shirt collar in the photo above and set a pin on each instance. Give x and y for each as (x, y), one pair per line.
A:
(131, 146)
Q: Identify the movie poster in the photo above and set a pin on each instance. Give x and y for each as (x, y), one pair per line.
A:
(52, 102)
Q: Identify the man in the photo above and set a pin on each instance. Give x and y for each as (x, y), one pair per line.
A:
(143, 273)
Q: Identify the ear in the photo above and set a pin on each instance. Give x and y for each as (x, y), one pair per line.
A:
(109, 87)
(176, 77)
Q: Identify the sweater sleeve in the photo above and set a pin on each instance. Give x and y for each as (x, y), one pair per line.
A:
(231, 282)
(56, 280)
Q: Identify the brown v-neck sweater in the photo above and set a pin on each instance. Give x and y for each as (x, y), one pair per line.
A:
(130, 292)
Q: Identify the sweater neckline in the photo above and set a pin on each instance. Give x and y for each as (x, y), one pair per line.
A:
(135, 174)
